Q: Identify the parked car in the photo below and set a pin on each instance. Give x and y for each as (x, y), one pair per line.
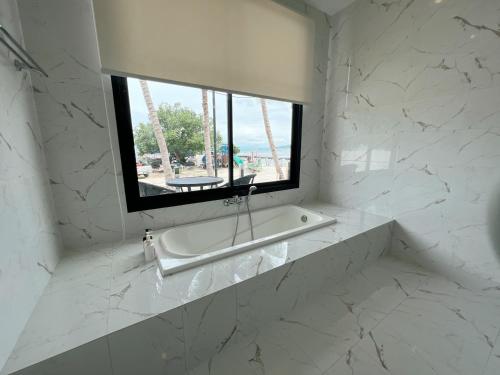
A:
(155, 163)
(190, 161)
(144, 170)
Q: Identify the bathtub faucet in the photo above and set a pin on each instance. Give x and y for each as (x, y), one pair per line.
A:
(234, 200)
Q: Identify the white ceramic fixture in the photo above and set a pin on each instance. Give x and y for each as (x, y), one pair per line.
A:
(193, 244)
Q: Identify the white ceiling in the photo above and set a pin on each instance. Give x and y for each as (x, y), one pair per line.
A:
(329, 6)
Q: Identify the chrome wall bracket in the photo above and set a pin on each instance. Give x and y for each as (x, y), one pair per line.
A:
(23, 58)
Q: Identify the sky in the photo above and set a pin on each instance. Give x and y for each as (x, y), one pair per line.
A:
(248, 126)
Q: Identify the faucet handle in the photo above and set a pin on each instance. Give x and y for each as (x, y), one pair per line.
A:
(236, 199)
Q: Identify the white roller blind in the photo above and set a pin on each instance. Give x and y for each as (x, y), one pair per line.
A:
(256, 47)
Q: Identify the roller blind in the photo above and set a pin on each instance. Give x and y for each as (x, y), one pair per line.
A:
(255, 47)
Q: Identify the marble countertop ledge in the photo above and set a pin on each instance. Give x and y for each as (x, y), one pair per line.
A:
(96, 291)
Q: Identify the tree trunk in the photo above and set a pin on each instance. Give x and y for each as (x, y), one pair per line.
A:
(206, 130)
(270, 139)
(160, 137)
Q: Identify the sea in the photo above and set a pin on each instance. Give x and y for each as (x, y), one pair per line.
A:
(283, 151)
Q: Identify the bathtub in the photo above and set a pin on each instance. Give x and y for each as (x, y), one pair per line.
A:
(190, 245)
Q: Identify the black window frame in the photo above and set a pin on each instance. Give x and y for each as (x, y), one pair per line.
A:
(136, 202)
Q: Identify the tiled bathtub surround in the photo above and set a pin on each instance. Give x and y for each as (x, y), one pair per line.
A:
(80, 132)
(181, 320)
(413, 126)
(29, 236)
(391, 318)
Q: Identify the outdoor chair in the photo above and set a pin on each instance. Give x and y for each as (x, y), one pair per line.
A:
(245, 180)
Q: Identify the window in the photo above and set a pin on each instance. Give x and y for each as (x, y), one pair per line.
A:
(182, 145)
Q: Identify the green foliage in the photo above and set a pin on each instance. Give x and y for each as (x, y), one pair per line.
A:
(183, 131)
(145, 140)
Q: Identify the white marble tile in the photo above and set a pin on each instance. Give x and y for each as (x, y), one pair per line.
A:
(31, 242)
(73, 317)
(493, 363)
(326, 326)
(392, 318)
(138, 290)
(154, 346)
(92, 358)
(136, 300)
(269, 282)
(411, 127)
(270, 352)
(266, 298)
(428, 337)
(209, 325)
(293, 283)
(440, 327)
(91, 267)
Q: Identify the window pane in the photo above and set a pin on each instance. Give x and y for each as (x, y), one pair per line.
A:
(180, 136)
(262, 136)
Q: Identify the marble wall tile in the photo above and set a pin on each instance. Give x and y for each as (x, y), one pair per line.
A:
(280, 298)
(209, 325)
(91, 267)
(239, 314)
(91, 358)
(76, 113)
(138, 290)
(429, 335)
(358, 362)
(85, 315)
(320, 335)
(266, 297)
(272, 295)
(391, 318)
(493, 363)
(177, 323)
(31, 241)
(412, 127)
(154, 346)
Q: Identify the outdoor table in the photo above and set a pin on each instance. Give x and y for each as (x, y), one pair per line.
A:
(190, 182)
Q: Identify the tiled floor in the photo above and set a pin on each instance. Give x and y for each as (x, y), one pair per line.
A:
(393, 318)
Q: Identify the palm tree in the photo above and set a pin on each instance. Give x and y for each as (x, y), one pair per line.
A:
(267, 125)
(206, 131)
(160, 137)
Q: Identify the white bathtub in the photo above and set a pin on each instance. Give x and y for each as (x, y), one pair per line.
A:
(190, 245)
